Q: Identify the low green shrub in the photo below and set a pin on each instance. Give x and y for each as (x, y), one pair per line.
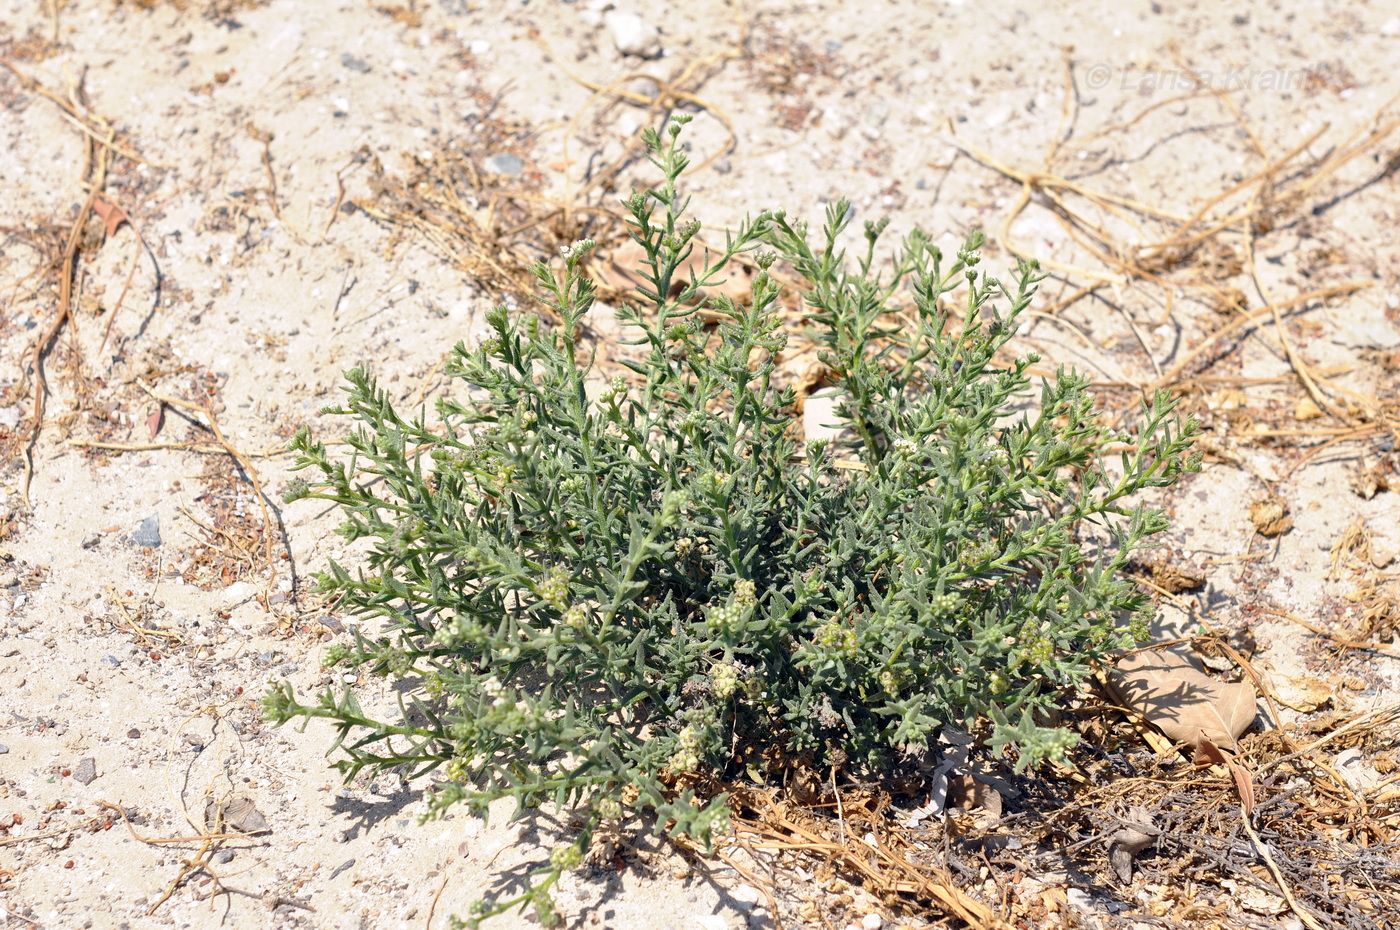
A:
(612, 595)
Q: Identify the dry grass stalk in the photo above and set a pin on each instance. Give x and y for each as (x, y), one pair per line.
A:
(1172, 252)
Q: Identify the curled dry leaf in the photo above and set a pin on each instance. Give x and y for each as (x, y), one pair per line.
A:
(112, 216)
(1175, 577)
(1270, 516)
(1172, 691)
(238, 815)
(154, 420)
(1136, 834)
(1304, 693)
(975, 795)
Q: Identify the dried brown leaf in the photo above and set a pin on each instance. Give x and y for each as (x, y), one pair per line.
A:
(1172, 691)
(112, 216)
(239, 815)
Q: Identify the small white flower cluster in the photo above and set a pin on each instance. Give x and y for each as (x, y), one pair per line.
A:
(945, 605)
(553, 589)
(686, 758)
(724, 680)
(982, 552)
(566, 857)
(745, 594)
(685, 545)
(576, 616)
(576, 251)
(838, 638)
(450, 635)
(725, 618)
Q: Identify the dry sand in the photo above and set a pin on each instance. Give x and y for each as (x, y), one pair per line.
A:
(150, 660)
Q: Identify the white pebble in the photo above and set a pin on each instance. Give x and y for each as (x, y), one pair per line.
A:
(632, 35)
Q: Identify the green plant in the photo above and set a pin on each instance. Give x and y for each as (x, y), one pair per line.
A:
(612, 595)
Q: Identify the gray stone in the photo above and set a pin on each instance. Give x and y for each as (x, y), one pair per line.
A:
(223, 856)
(148, 532)
(85, 772)
(4, 749)
(112, 661)
(355, 64)
(505, 163)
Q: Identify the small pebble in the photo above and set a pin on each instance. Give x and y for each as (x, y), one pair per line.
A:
(85, 772)
(505, 163)
(872, 922)
(133, 733)
(746, 895)
(112, 661)
(223, 856)
(4, 749)
(358, 65)
(633, 35)
(148, 532)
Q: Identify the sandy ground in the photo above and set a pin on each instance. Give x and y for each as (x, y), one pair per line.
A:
(130, 672)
